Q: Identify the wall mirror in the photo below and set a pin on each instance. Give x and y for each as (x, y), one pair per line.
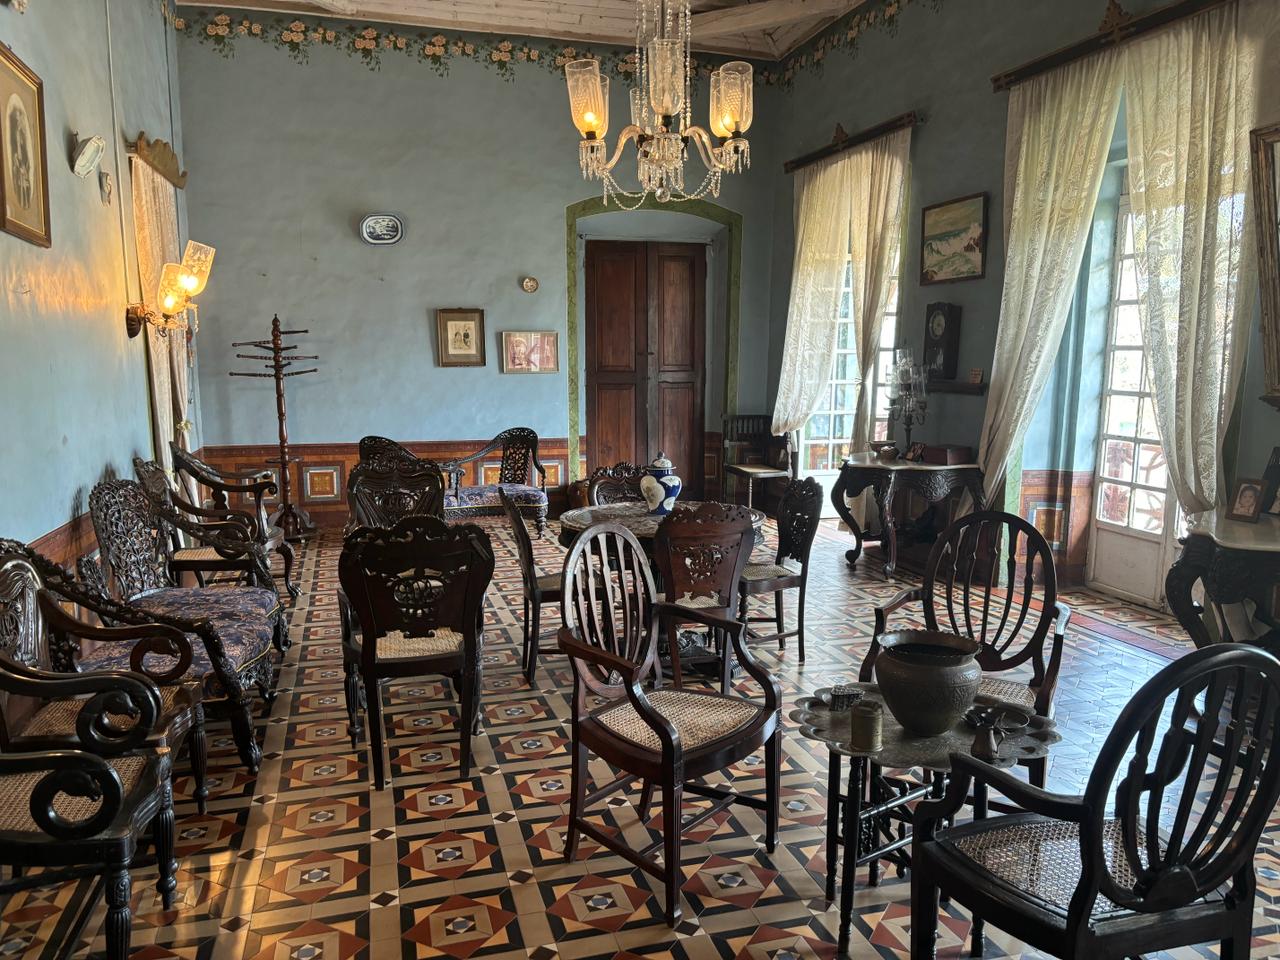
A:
(1266, 186)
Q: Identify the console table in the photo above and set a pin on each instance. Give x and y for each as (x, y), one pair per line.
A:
(1234, 561)
(934, 482)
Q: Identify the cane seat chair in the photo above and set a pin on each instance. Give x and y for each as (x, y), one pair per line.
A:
(751, 453)
(237, 625)
(700, 554)
(412, 605)
(619, 483)
(1157, 853)
(668, 736)
(385, 488)
(537, 588)
(222, 486)
(36, 633)
(521, 476)
(799, 511)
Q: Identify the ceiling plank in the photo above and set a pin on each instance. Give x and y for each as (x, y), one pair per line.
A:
(761, 16)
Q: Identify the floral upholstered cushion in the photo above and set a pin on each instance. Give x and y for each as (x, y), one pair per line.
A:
(487, 496)
(242, 616)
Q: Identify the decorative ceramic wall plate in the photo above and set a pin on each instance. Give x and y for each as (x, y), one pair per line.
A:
(381, 228)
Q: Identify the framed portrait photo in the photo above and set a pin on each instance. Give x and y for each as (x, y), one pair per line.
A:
(530, 351)
(24, 167)
(953, 240)
(1271, 486)
(1246, 501)
(460, 337)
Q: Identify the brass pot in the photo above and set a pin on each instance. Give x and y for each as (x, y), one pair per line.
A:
(928, 679)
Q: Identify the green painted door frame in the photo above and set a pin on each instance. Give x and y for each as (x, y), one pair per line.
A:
(697, 208)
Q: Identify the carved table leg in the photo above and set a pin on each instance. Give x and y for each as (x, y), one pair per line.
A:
(1193, 565)
(842, 510)
(888, 535)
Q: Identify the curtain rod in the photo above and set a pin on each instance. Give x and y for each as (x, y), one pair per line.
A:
(842, 141)
(1117, 27)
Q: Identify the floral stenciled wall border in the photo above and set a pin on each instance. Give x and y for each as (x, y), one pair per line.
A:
(298, 36)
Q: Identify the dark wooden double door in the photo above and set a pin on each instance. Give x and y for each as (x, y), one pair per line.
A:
(646, 347)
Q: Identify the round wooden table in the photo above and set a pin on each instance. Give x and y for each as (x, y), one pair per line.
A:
(634, 516)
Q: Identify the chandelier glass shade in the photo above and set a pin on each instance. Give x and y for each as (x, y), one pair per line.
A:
(661, 127)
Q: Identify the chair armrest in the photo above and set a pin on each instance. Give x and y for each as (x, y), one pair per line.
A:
(737, 635)
(149, 638)
(540, 470)
(73, 772)
(1061, 617)
(601, 658)
(1060, 806)
(664, 611)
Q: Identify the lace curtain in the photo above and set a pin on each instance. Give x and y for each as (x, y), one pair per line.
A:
(1189, 104)
(823, 197)
(155, 225)
(1060, 127)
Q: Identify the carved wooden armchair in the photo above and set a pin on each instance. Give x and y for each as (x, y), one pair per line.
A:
(1157, 853)
(617, 484)
(385, 489)
(520, 474)
(667, 736)
(36, 633)
(222, 485)
(238, 625)
(79, 806)
(412, 603)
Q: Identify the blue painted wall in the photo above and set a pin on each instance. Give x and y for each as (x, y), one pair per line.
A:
(73, 387)
(286, 157)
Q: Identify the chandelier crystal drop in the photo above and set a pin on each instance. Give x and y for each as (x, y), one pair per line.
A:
(661, 127)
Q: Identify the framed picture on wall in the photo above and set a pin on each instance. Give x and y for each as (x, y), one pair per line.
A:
(530, 351)
(24, 168)
(460, 337)
(953, 240)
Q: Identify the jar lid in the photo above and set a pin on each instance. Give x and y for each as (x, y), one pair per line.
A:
(661, 462)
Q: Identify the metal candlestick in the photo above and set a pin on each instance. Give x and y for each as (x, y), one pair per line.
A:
(293, 520)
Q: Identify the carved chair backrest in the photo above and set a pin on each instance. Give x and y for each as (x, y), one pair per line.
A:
(193, 473)
(701, 552)
(607, 604)
(386, 489)
(375, 447)
(990, 576)
(418, 577)
(23, 638)
(1191, 770)
(519, 453)
(754, 432)
(617, 484)
(524, 544)
(135, 543)
(799, 512)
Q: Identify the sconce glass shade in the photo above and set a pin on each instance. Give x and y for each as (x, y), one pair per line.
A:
(197, 262)
(665, 60)
(171, 295)
(731, 99)
(588, 97)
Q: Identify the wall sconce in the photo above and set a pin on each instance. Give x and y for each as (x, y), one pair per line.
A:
(179, 284)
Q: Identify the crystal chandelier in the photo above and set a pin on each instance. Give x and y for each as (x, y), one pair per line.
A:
(661, 110)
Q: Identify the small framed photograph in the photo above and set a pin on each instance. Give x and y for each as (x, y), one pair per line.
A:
(530, 351)
(1246, 501)
(953, 240)
(1271, 485)
(460, 337)
(24, 168)
(915, 453)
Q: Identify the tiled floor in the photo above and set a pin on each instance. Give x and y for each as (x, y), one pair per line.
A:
(305, 862)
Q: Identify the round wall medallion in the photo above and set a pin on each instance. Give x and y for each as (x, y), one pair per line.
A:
(529, 284)
(381, 228)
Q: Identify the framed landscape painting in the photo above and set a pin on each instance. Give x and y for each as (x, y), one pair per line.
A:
(24, 169)
(460, 337)
(530, 351)
(953, 240)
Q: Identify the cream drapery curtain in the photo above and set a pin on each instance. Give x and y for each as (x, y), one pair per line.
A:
(1060, 127)
(823, 194)
(155, 224)
(1189, 103)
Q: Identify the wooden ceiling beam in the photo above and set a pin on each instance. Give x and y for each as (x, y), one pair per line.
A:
(765, 15)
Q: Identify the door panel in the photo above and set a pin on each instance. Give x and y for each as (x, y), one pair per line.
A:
(677, 317)
(615, 437)
(676, 277)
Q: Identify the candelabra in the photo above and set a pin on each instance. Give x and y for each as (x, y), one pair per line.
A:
(293, 520)
(908, 392)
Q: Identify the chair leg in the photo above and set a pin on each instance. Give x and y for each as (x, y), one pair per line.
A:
(1037, 771)
(377, 734)
(1239, 945)
(119, 890)
(779, 617)
(246, 738)
(800, 621)
(162, 837)
(198, 747)
(535, 628)
(541, 521)
(646, 800)
(749, 491)
(467, 708)
(577, 797)
(286, 554)
(672, 795)
(351, 690)
(924, 913)
(673, 645)
(524, 640)
(773, 789)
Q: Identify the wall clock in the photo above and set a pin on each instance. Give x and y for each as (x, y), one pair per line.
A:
(942, 340)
